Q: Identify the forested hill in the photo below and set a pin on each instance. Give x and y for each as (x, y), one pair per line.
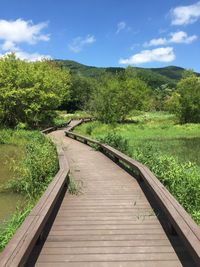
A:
(153, 76)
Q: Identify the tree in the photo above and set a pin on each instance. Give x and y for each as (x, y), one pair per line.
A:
(161, 94)
(172, 103)
(79, 93)
(115, 97)
(30, 92)
(189, 100)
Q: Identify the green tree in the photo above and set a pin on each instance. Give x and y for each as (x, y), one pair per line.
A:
(30, 92)
(172, 103)
(79, 93)
(115, 97)
(161, 94)
(189, 100)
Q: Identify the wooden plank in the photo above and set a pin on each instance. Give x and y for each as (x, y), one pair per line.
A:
(92, 221)
(106, 250)
(182, 222)
(108, 257)
(64, 238)
(106, 227)
(146, 231)
(172, 263)
(110, 243)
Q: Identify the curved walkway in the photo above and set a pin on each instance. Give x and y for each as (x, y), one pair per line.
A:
(109, 223)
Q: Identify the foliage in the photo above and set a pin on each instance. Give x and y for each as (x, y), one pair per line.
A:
(181, 179)
(154, 77)
(172, 103)
(114, 98)
(33, 172)
(30, 92)
(116, 141)
(8, 229)
(161, 94)
(86, 71)
(79, 93)
(159, 128)
(73, 187)
(189, 100)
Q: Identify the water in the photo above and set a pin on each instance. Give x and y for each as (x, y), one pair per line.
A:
(8, 201)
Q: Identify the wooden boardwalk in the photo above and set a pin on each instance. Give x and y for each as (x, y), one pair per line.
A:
(110, 223)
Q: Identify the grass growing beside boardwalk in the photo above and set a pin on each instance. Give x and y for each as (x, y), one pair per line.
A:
(33, 173)
(144, 139)
(159, 129)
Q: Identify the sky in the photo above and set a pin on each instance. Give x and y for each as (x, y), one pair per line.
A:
(103, 33)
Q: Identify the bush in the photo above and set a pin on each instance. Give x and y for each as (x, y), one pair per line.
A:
(116, 141)
(8, 229)
(116, 97)
(181, 179)
(33, 174)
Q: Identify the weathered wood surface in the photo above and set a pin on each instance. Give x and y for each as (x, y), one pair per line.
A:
(110, 222)
(179, 219)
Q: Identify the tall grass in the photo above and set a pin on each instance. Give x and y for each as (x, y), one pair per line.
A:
(33, 172)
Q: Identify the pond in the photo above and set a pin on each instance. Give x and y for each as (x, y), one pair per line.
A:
(8, 201)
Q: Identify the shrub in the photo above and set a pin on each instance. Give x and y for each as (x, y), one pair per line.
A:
(181, 179)
(33, 174)
(116, 141)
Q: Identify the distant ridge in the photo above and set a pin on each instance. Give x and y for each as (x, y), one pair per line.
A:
(153, 76)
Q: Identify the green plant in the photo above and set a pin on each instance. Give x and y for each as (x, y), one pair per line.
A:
(8, 228)
(30, 92)
(33, 172)
(181, 179)
(116, 141)
(189, 99)
(73, 187)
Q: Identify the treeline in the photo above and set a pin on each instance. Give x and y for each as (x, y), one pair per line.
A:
(31, 92)
(111, 96)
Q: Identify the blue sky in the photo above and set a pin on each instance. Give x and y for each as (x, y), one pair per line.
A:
(103, 32)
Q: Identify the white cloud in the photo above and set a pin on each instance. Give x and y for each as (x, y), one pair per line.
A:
(175, 37)
(162, 54)
(155, 42)
(121, 26)
(31, 56)
(79, 42)
(183, 15)
(182, 37)
(13, 33)
(21, 31)
(28, 56)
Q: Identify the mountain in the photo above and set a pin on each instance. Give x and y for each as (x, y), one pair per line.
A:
(154, 77)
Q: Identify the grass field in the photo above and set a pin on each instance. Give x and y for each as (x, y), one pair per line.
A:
(159, 129)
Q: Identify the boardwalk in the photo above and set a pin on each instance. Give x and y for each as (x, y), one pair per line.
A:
(109, 223)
